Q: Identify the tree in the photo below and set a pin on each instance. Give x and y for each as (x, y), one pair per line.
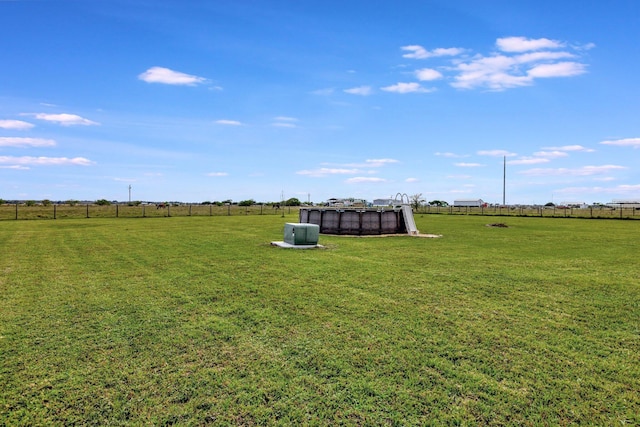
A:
(72, 202)
(416, 201)
(249, 202)
(438, 203)
(46, 202)
(292, 202)
(549, 205)
(103, 202)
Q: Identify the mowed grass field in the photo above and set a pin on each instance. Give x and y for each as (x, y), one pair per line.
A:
(199, 320)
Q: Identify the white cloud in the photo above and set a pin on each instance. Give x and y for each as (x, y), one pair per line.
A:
(406, 88)
(560, 69)
(359, 179)
(16, 167)
(570, 148)
(412, 180)
(45, 161)
(217, 174)
(228, 122)
(626, 142)
(8, 141)
(380, 162)
(501, 72)
(65, 119)
(528, 161)
(170, 77)
(626, 187)
(320, 172)
(551, 154)
(541, 56)
(419, 52)
(452, 155)
(284, 122)
(518, 62)
(428, 74)
(496, 153)
(360, 90)
(468, 165)
(615, 190)
(369, 163)
(523, 44)
(582, 171)
(492, 72)
(587, 46)
(15, 125)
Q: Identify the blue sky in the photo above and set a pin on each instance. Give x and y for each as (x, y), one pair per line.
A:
(215, 100)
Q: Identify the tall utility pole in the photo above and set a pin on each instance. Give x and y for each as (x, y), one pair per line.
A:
(129, 193)
(504, 181)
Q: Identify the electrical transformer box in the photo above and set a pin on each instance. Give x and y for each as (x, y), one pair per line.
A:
(301, 234)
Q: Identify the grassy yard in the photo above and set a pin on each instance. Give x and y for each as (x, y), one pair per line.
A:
(198, 320)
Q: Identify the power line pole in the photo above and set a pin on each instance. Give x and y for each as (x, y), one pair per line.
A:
(129, 193)
(504, 181)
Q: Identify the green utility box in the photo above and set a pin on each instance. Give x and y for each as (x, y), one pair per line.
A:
(301, 234)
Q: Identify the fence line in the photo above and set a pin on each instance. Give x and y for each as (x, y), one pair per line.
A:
(60, 211)
(541, 211)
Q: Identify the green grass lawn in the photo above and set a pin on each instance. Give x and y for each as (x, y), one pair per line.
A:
(198, 320)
